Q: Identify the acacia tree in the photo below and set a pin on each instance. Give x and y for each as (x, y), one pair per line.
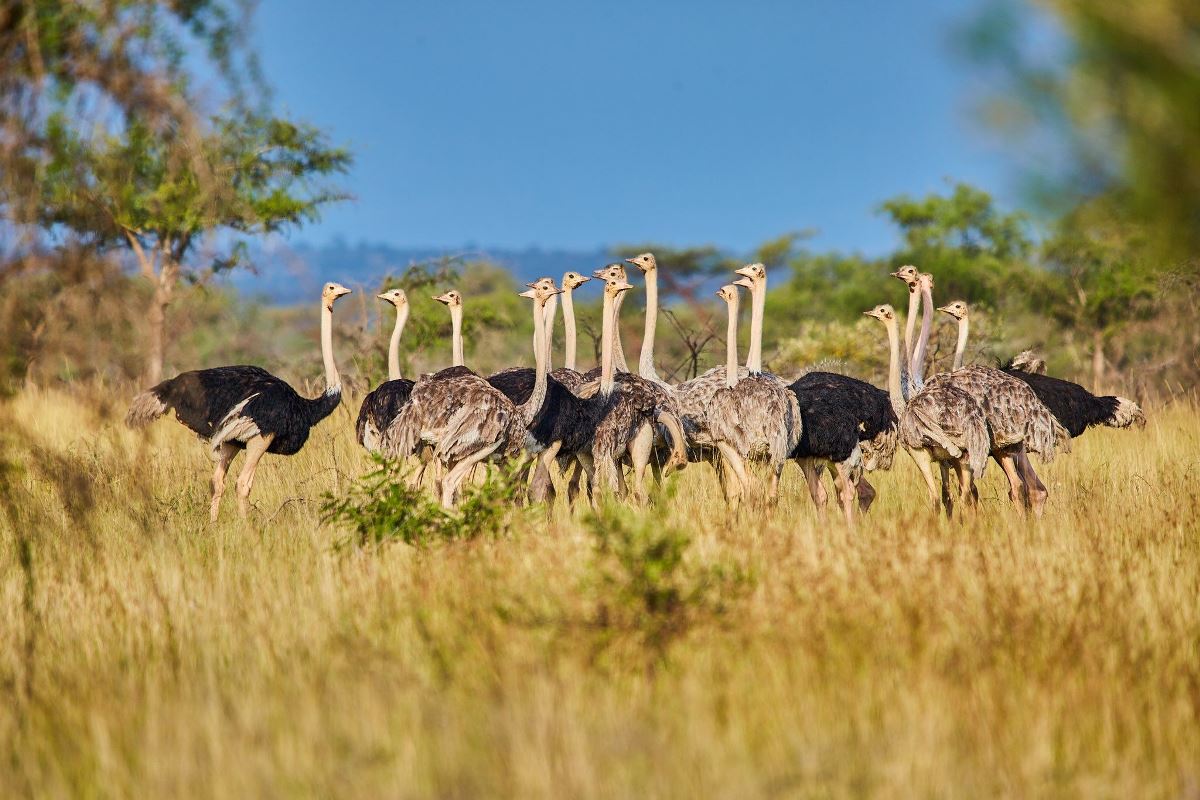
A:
(249, 175)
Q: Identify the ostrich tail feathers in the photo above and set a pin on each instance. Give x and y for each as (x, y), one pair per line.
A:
(1127, 414)
(144, 409)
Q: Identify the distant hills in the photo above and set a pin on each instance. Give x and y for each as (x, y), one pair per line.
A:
(286, 275)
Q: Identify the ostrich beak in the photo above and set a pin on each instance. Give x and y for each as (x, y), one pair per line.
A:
(442, 298)
(946, 310)
(531, 294)
(340, 291)
(745, 272)
(745, 283)
(894, 274)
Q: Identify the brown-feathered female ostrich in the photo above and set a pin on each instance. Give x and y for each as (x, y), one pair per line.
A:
(764, 425)
(938, 423)
(1018, 423)
(626, 410)
(245, 408)
(382, 405)
(1074, 407)
(463, 417)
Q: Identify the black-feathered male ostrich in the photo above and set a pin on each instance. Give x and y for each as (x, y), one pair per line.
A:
(245, 408)
(382, 405)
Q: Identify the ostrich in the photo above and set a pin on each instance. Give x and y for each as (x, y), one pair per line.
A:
(1018, 422)
(848, 423)
(939, 423)
(667, 423)
(626, 410)
(463, 417)
(567, 374)
(767, 415)
(910, 276)
(245, 408)
(1073, 406)
(382, 405)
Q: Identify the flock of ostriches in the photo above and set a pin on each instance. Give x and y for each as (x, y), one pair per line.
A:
(598, 424)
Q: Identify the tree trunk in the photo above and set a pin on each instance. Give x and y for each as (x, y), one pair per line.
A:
(164, 289)
(1097, 362)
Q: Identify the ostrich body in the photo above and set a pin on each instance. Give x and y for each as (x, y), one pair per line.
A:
(382, 404)
(245, 408)
(848, 423)
(463, 417)
(1075, 408)
(1018, 422)
(940, 424)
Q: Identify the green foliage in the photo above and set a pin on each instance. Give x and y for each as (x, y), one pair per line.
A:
(381, 507)
(975, 251)
(649, 585)
(1114, 104)
(251, 175)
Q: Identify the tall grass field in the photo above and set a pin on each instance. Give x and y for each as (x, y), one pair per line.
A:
(662, 652)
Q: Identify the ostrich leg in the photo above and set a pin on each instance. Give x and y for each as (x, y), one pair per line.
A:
(925, 465)
(542, 488)
(1035, 490)
(812, 469)
(224, 458)
(1016, 488)
(256, 448)
(459, 472)
(639, 453)
(735, 469)
(843, 479)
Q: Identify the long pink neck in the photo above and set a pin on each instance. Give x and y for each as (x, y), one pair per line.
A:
(394, 343)
(758, 299)
(568, 308)
(894, 390)
(961, 348)
(530, 408)
(646, 359)
(607, 323)
(456, 337)
(917, 367)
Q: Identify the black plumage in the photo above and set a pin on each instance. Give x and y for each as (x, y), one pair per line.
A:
(838, 412)
(229, 405)
(379, 408)
(1075, 407)
(563, 416)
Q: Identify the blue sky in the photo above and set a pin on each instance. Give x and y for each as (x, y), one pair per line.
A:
(579, 124)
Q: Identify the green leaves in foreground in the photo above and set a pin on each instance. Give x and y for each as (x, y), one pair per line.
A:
(648, 584)
(381, 507)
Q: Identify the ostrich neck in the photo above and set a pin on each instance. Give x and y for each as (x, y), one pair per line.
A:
(618, 349)
(758, 299)
(910, 322)
(568, 308)
(394, 344)
(917, 366)
(547, 331)
(961, 347)
(894, 391)
(456, 318)
(646, 359)
(333, 382)
(731, 359)
(607, 323)
(530, 408)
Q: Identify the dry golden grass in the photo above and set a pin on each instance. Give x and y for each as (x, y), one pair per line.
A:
(146, 653)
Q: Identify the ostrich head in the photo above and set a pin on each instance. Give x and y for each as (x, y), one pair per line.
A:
(611, 272)
(957, 309)
(573, 280)
(541, 289)
(745, 283)
(883, 313)
(331, 292)
(451, 298)
(728, 293)
(909, 274)
(396, 297)
(645, 262)
(755, 272)
(614, 286)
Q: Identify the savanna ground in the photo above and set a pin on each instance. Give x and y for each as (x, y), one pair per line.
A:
(660, 653)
